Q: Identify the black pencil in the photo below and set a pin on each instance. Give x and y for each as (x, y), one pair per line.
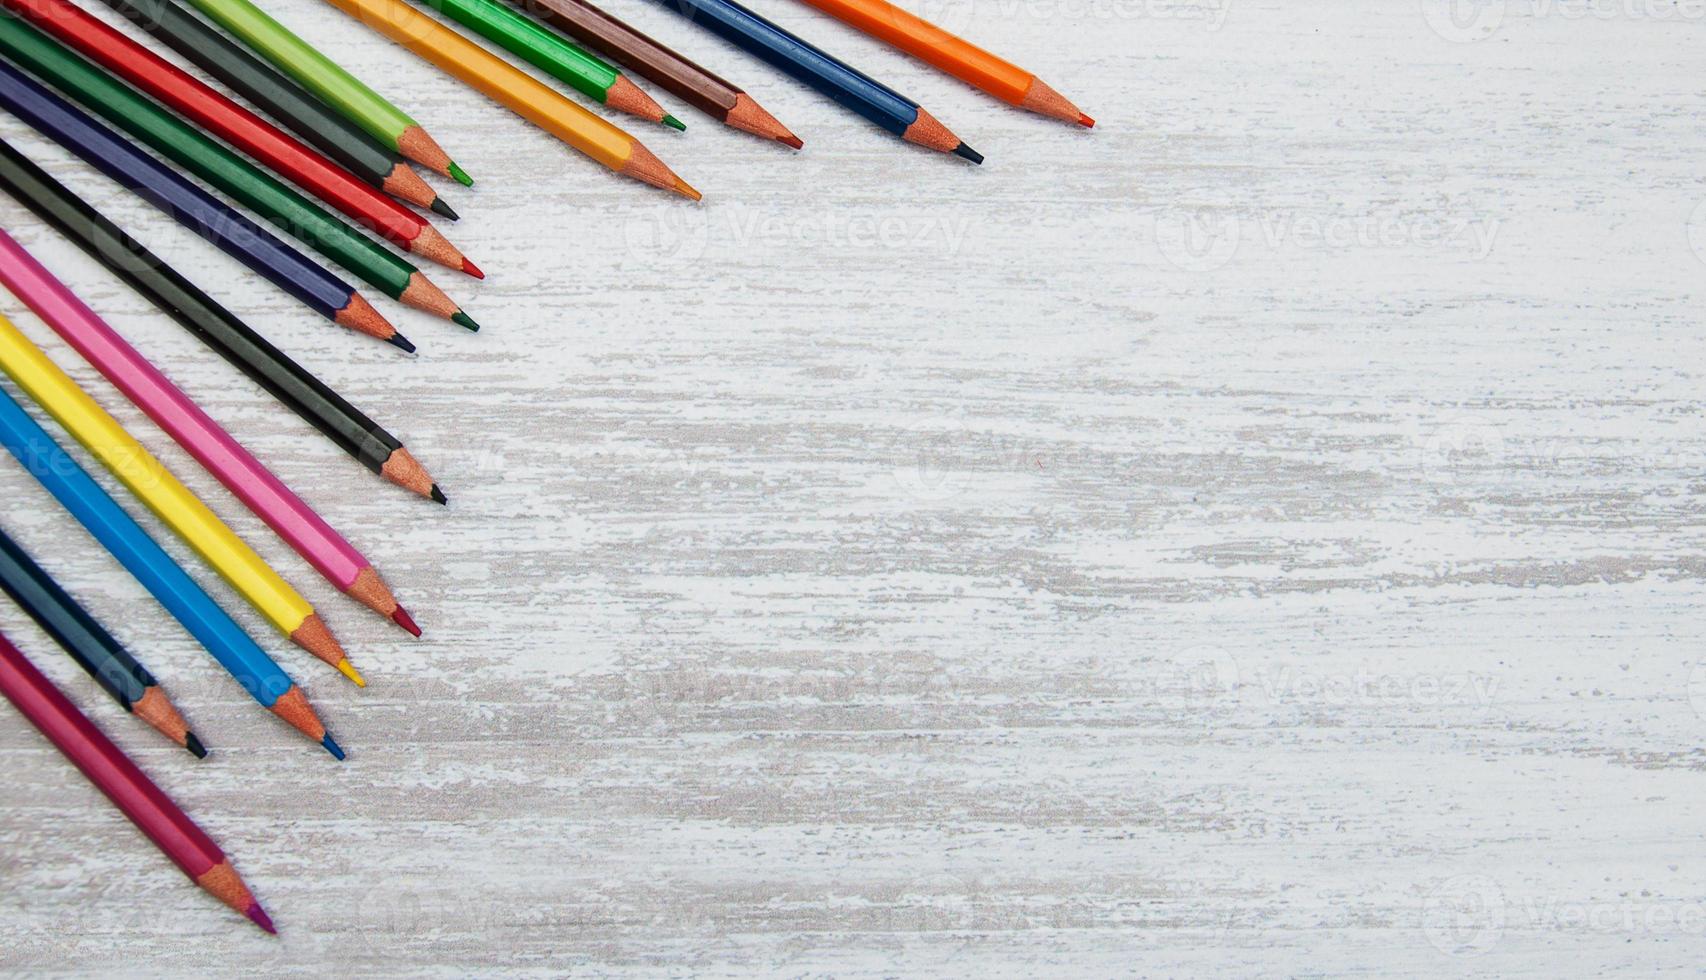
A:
(89, 643)
(281, 98)
(214, 325)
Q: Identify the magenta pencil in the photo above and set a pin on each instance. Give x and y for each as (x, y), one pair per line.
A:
(112, 772)
(202, 437)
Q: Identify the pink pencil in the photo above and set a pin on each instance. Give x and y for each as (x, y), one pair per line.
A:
(201, 437)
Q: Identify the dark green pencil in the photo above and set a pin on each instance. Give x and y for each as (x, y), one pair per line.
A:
(89, 643)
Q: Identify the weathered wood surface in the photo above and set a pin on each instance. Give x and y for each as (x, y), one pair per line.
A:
(1262, 534)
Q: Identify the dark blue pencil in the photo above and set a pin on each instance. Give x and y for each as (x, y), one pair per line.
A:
(834, 78)
(190, 206)
(88, 642)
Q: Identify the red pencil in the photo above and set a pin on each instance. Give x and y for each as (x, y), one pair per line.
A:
(243, 129)
(131, 791)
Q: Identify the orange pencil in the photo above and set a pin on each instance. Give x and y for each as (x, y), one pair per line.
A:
(524, 95)
(954, 55)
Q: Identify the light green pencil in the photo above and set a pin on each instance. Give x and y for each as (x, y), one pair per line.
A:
(322, 76)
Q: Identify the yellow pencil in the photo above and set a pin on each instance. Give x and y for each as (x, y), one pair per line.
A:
(524, 95)
(170, 500)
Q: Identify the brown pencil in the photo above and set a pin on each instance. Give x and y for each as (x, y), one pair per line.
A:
(706, 92)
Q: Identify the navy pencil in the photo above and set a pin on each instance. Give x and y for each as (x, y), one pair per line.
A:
(88, 642)
(190, 206)
(829, 75)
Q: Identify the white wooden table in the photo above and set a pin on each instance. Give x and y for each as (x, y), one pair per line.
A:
(1261, 534)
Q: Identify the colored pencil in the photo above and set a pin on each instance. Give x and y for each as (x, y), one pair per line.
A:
(212, 162)
(241, 128)
(213, 325)
(338, 88)
(281, 98)
(954, 55)
(664, 67)
(171, 501)
(88, 642)
(203, 438)
(848, 86)
(192, 207)
(586, 73)
(170, 585)
(523, 94)
(135, 795)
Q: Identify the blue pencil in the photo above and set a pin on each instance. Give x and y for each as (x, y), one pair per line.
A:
(188, 204)
(829, 75)
(163, 577)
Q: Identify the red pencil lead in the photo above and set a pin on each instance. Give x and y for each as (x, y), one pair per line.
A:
(401, 617)
(472, 269)
(1086, 121)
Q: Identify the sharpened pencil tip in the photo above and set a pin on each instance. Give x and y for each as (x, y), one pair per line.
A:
(401, 617)
(462, 319)
(439, 207)
(686, 190)
(438, 495)
(460, 175)
(674, 123)
(472, 269)
(332, 747)
(194, 745)
(401, 342)
(1086, 121)
(348, 670)
(259, 917)
(792, 140)
(968, 153)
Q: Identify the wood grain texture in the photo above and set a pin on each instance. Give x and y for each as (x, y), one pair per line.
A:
(1261, 534)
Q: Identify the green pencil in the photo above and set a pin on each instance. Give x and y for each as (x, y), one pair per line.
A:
(302, 218)
(322, 76)
(568, 62)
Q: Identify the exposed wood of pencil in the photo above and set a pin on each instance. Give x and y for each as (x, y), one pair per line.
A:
(630, 98)
(361, 317)
(314, 637)
(157, 710)
(404, 470)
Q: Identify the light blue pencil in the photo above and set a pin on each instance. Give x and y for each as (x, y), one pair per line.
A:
(54, 468)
